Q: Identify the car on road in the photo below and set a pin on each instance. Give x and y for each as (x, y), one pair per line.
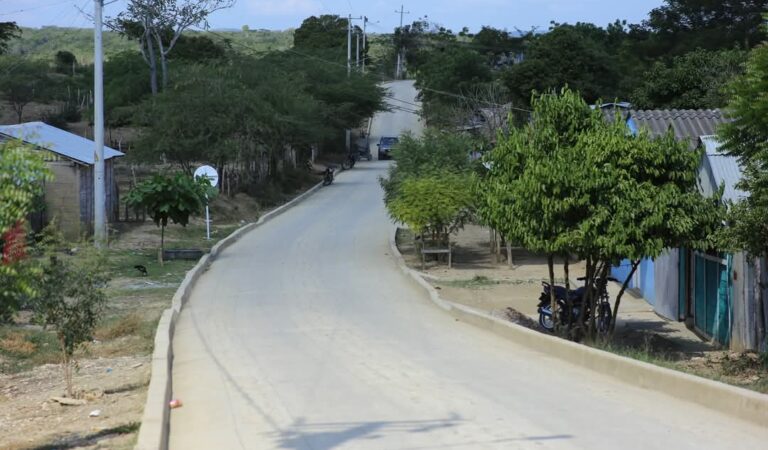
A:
(385, 146)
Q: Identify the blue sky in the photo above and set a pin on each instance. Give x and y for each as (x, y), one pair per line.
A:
(281, 14)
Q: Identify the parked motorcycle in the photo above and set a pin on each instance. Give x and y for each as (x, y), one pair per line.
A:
(577, 296)
(349, 162)
(328, 175)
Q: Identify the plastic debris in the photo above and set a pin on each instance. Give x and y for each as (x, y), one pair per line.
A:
(175, 403)
(95, 413)
(109, 370)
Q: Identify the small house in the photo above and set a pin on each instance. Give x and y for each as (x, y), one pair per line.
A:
(69, 197)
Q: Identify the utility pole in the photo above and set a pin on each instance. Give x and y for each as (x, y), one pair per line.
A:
(99, 191)
(357, 50)
(349, 45)
(365, 37)
(399, 70)
(348, 132)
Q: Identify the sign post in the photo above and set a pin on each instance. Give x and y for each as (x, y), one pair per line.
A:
(213, 177)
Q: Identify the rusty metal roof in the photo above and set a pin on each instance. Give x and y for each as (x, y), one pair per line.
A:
(686, 124)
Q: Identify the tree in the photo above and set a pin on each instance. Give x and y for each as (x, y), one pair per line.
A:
(322, 32)
(681, 26)
(22, 82)
(434, 205)
(569, 182)
(529, 194)
(8, 31)
(158, 25)
(70, 299)
(747, 138)
(696, 80)
(22, 176)
(173, 198)
(454, 69)
(436, 152)
(65, 62)
(568, 55)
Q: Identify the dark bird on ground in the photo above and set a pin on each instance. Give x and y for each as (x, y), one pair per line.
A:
(141, 269)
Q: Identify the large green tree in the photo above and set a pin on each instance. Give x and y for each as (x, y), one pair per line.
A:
(8, 32)
(696, 80)
(747, 138)
(681, 26)
(569, 182)
(567, 55)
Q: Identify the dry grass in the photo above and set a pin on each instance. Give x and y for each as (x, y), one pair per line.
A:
(122, 326)
(17, 344)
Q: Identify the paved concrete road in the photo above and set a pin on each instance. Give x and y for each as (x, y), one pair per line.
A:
(305, 335)
(402, 116)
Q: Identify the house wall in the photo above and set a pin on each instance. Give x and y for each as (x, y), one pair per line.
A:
(87, 196)
(744, 330)
(667, 284)
(62, 198)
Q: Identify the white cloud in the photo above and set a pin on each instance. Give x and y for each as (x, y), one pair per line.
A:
(284, 7)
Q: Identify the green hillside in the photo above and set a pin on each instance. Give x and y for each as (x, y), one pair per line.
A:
(43, 43)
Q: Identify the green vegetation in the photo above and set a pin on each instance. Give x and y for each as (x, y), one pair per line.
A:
(746, 138)
(44, 43)
(173, 198)
(570, 183)
(680, 57)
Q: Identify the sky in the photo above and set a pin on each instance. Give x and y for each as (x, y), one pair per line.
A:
(283, 14)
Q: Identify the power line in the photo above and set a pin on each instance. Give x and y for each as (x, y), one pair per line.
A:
(381, 77)
(34, 8)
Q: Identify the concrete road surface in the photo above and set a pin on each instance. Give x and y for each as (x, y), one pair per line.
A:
(305, 335)
(403, 115)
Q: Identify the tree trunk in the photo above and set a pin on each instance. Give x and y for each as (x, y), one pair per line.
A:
(162, 245)
(67, 363)
(635, 265)
(760, 310)
(510, 261)
(19, 111)
(152, 59)
(552, 296)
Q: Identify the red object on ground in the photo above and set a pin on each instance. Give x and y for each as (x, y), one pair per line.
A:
(15, 244)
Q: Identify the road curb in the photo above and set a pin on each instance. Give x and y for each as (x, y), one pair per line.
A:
(155, 421)
(733, 401)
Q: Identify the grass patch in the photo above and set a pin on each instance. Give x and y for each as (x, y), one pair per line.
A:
(119, 326)
(28, 348)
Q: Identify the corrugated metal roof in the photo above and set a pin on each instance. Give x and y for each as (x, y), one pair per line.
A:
(725, 169)
(57, 141)
(687, 124)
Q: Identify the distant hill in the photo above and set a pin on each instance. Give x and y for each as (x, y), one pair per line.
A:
(43, 43)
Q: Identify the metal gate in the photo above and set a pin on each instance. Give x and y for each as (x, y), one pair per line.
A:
(712, 296)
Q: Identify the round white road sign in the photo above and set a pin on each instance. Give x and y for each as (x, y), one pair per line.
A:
(208, 172)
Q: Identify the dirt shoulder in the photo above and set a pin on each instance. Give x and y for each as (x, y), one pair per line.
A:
(511, 291)
(114, 369)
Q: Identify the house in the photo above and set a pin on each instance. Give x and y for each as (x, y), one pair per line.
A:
(712, 291)
(69, 196)
(657, 280)
(716, 295)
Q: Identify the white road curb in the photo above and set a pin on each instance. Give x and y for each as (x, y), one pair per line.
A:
(155, 422)
(737, 402)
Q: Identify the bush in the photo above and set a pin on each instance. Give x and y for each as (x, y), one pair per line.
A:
(436, 204)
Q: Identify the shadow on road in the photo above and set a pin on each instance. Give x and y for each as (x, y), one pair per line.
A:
(327, 436)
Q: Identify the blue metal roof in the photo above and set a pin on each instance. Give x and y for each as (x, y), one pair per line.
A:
(57, 141)
(724, 169)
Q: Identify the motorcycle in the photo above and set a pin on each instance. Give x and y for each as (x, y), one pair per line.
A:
(577, 302)
(328, 175)
(349, 162)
